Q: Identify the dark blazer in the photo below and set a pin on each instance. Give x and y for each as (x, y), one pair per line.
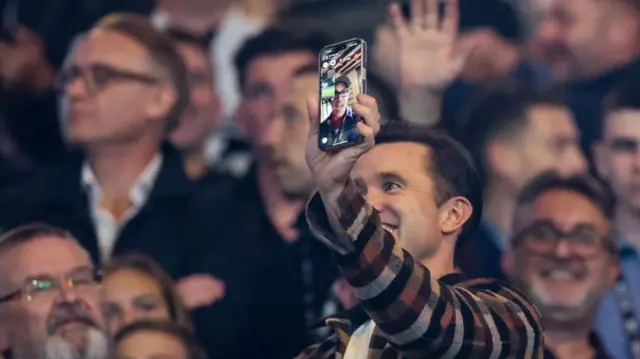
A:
(347, 132)
(166, 228)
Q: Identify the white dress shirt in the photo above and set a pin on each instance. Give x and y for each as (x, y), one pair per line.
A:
(107, 228)
(358, 346)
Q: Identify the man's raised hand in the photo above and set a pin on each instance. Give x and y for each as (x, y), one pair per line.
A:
(332, 169)
(427, 55)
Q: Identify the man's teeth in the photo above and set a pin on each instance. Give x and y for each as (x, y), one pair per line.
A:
(389, 229)
(560, 274)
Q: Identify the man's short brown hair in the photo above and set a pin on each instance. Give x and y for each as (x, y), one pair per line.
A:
(29, 232)
(162, 51)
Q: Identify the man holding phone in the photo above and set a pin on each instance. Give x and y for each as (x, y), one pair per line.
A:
(340, 126)
(392, 209)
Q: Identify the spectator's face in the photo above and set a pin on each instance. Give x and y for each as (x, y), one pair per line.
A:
(341, 98)
(394, 179)
(618, 157)
(549, 142)
(117, 95)
(151, 345)
(203, 113)
(567, 280)
(129, 296)
(286, 136)
(267, 85)
(60, 318)
(569, 34)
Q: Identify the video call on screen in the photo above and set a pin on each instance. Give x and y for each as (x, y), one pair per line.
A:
(340, 81)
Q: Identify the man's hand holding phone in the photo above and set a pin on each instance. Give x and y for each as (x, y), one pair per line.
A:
(331, 169)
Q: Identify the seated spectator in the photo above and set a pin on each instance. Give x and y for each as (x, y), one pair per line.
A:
(135, 288)
(49, 297)
(515, 134)
(617, 156)
(564, 256)
(125, 87)
(157, 339)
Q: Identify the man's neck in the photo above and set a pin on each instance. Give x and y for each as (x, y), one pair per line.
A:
(194, 163)
(440, 263)
(627, 222)
(569, 344)
(117, 168)
(338, 114)
(499, 205)
(195, 19)
(282, 211)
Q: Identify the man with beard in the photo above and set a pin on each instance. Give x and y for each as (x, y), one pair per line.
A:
(49, 297)
(564, 256)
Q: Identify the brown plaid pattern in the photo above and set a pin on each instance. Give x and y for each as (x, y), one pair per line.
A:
(417, 316)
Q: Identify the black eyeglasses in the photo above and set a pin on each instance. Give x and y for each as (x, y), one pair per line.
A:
(543, 237)
(97, 76)
(41, 285)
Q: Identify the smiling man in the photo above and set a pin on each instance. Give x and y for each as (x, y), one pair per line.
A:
(49, 297)
(564, 256)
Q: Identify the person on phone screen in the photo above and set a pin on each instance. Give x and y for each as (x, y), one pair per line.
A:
(340, 126)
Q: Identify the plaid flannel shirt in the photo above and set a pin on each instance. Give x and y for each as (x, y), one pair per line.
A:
(416, 316)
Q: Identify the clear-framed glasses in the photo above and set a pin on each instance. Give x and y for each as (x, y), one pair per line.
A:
(41, 285)
(585, 240)
(98, 76)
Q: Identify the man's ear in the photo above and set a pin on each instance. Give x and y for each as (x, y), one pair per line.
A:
(453, 214)
(164, 98)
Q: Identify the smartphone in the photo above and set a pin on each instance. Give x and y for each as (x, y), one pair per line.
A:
(342, 68)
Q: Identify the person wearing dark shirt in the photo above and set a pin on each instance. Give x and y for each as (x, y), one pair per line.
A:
(514, 133)
(263, 214)
(340, 126)
(564, 256)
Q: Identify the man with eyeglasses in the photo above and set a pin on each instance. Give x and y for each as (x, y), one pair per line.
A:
(49, 297)
(340, 126)
(564, 256)
(125, 88)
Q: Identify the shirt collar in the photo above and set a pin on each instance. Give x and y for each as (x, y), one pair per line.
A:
(138, 193)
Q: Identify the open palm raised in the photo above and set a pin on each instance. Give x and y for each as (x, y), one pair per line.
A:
(427, 56)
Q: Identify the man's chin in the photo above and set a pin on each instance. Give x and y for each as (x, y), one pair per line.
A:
(77, 340)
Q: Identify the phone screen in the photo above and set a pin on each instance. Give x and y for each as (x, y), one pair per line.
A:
(342, 78)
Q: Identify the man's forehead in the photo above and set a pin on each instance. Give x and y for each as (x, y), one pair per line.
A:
(622, 123)
(400, 157)
(274, 66)
(566, 209)
(105, 45)
(45, 255)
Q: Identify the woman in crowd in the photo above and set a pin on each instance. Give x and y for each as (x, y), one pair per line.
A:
(136, 288)
(149, 339)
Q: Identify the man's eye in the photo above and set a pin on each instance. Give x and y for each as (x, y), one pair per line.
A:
(390, 186)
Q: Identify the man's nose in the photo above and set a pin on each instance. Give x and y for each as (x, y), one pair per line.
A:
(375, 198)
(563, 249)
(76, 88)
(68, 291)
(272, 133)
